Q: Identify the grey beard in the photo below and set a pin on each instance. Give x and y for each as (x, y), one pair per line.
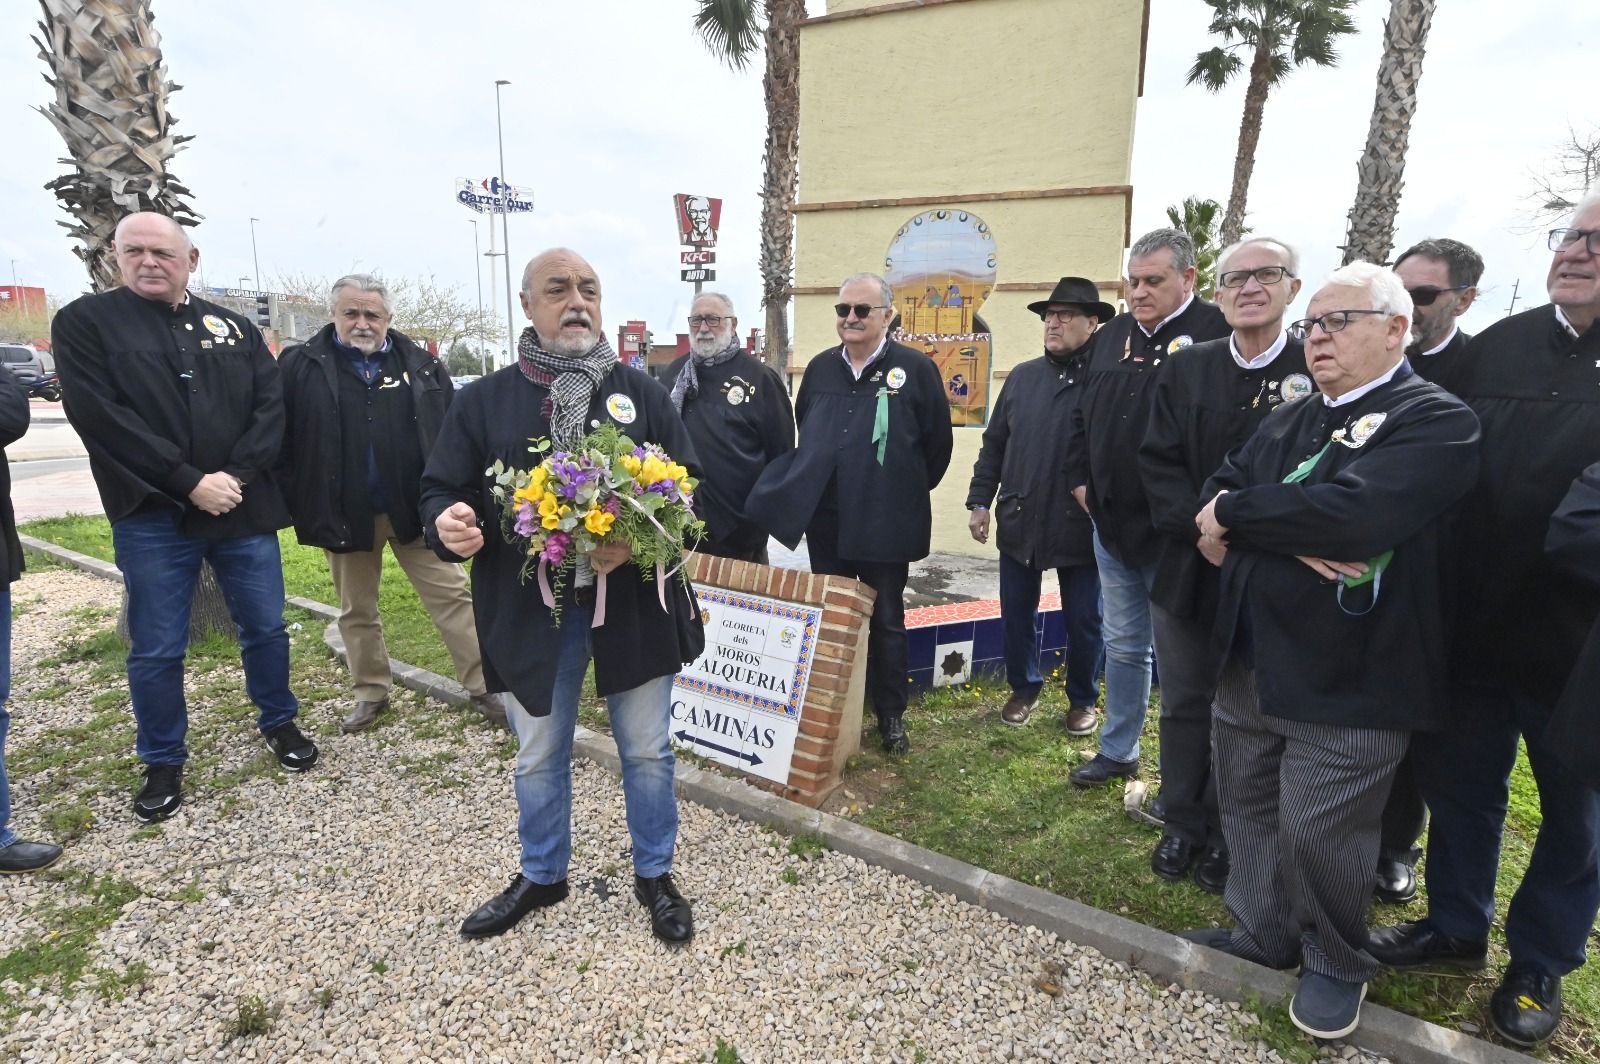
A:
(714, 346)
(569, 346)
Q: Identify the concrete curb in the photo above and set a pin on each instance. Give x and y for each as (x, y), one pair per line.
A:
(1163, 956)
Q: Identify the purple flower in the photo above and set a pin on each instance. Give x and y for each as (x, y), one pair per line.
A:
(527, 522)
(612, 506)
(556, 548)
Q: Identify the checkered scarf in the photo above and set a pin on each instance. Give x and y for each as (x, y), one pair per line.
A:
(572, 380)
(688, 382)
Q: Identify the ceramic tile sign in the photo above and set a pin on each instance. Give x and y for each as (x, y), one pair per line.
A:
(739, 702)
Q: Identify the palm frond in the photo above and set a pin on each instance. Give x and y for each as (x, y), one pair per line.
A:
(1214, 69)
(731, 29)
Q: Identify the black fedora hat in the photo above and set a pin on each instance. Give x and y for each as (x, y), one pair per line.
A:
(1080, 292)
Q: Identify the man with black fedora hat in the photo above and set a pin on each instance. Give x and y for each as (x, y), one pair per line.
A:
(1040, 525)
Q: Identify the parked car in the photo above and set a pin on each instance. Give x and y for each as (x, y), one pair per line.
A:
(26, 362)
(464, 379)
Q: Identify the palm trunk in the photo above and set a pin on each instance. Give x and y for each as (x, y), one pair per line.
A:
(1381, 170)
(1244, 163)
(780, 177)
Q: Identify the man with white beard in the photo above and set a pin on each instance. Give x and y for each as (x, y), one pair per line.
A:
(740, 419)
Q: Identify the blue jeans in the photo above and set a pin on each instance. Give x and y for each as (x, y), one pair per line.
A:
(160, 565)
(639, 721)
(1128, 632)
(1080, 612)
(7, 836)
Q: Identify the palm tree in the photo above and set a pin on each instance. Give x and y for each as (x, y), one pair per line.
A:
(733, 31)
(1279, 35)
(1198, 218)
(1383, 164)
(111, 109)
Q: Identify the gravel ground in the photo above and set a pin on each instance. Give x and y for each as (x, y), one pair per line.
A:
(334, 899)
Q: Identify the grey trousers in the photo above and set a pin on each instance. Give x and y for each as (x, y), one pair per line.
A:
(1302, 810)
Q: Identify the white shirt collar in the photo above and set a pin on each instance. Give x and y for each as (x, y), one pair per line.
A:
(844, 353)
(1566, 323)
(1264, 358)
(1160, 324)
(1443, 344)
(1356, 393)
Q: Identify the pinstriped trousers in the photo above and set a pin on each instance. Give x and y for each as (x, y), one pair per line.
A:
(1302, 812)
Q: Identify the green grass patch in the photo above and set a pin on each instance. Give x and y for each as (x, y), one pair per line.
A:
(59, 958)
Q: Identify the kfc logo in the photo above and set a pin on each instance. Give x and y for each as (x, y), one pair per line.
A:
(699, 217)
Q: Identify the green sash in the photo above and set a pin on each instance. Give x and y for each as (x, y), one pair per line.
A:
(1375, 566)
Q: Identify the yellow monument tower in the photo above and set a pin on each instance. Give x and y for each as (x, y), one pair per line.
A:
(972, 151)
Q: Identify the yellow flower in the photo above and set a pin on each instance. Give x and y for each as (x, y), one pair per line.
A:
(676, 471)
(598, 521)
(654, 470)
(548, 505)
(632, 464)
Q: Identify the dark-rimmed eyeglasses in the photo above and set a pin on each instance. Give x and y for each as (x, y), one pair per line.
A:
(861, 309)
(708, 320)
(1424, 294)
(1562, 239)
(1331, 322)
(1264, 274)
(1065, 317)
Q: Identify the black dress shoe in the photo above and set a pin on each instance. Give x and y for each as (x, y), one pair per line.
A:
(1211, 871)
(1526, 1009)
(895, 740)
(670, 917)
(23, 856)
(501, 912)
(1415, 944)
(1396, 883)
(1222, 940)
(1100, 769)
(1172, 857)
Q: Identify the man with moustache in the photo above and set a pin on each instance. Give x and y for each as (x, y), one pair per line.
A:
(1442, 276)
(738, 415)
(875, 439)
(1164, 317)
(1040, 525)
(180, 406)
(567, 380)
(363, 405)
(1209, 400)
(1534, 381)
(1331, 520)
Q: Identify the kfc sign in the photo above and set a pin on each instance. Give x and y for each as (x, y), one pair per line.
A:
(699, 217)
(697, 258)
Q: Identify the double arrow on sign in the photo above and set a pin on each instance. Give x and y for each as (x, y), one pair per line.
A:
(694, 740)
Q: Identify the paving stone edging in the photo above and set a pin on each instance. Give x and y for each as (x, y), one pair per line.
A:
(1157, 953)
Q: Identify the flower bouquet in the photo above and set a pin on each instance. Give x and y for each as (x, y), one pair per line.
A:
(606, 490)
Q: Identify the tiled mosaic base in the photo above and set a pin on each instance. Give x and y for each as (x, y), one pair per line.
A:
(950, 644)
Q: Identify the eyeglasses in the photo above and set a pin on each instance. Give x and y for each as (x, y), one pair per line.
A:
(1264, 274)
(861, 309)
(1063, 316)
(1331, 322)
(1424, 294)
(709, 320)
(1562, 239)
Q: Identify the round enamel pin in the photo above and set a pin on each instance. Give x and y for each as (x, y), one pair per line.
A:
(1295, 386)
(735, 395)
(1365, 426)
(896, 378)
(620, 407)
(215, 326)
(1179, 344)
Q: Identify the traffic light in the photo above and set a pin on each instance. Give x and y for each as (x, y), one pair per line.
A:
(264, 311)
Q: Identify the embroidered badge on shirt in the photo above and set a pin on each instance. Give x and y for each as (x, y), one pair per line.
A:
(620, 407)
(215, 326)
(897, 378)
(1295, 386)
(1179, 344)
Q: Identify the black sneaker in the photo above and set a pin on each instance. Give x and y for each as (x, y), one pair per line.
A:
(161, 794)
(293, 750)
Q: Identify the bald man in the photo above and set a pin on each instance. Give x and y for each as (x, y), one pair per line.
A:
(180, 406)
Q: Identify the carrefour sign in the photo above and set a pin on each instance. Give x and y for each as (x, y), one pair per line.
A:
(491, 195)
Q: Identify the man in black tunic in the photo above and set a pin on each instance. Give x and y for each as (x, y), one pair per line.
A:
(1534, 381)
(363, 406)
(1165, 316)
(738, 415)
(1041, 526)
(1442, 277)
(1209, 400)
(1330, 520)
(565, 381)
(180, 406)
(875, 439)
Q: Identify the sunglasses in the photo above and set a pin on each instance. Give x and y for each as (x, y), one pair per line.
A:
(861, 309)
(1424, 294)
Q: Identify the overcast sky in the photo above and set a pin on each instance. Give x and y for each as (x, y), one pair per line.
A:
(343, 126)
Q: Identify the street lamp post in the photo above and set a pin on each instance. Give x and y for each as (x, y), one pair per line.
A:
(477, 265)
(253, 256)
(505, 215)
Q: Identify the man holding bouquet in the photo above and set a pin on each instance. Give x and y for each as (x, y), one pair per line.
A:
(537, 635)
